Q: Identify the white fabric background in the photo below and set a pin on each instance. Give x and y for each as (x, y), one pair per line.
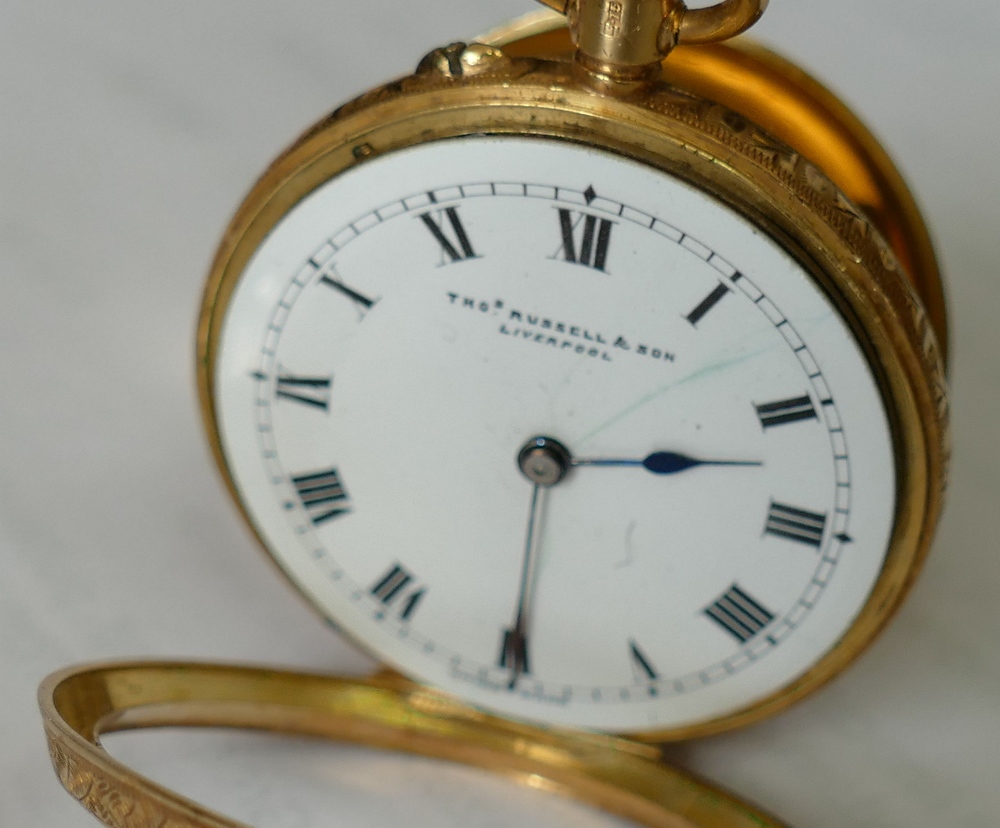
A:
(129, 132)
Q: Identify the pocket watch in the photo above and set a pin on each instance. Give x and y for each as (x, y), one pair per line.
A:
(592, 384)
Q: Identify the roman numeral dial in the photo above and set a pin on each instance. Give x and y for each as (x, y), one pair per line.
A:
(449, 232)
(795, 524)
(572, 458)
(739, 614)
(641, 664)
(309, 391)
(363, 302)
(514, 653)
(585, 238)
(782, 412)
(322, 495)
(706, 304)
(398, 589)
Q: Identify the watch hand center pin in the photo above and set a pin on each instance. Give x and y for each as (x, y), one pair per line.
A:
(544, 460)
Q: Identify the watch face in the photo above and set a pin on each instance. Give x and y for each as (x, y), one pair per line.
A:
(557, 433)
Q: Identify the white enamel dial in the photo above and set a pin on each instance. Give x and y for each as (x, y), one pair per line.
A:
(411, 326)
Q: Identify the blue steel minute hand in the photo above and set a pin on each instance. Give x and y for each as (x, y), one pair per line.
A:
(663, 462)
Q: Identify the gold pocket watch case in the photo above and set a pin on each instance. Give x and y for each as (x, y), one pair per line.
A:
(474, 131)
(594, 383)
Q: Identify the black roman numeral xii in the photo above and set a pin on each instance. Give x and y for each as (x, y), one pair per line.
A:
(594, 238)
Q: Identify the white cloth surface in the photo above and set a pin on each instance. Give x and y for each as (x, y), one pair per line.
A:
(129, 132)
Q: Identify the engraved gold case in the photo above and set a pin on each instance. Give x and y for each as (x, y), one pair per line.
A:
(811, 178)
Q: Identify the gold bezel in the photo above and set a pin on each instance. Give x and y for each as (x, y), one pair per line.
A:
(717, 150)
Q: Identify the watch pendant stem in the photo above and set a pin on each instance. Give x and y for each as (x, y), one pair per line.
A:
(626, 39)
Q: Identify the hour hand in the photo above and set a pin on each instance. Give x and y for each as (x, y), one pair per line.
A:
(663, 462)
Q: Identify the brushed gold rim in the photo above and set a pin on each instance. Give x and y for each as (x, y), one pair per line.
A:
(777, 189)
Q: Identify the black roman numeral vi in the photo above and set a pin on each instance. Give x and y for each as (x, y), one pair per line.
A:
(322, 495)
(514, 653)
(458, 248)
(594, 237)
(795, 524)
(398, 587)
